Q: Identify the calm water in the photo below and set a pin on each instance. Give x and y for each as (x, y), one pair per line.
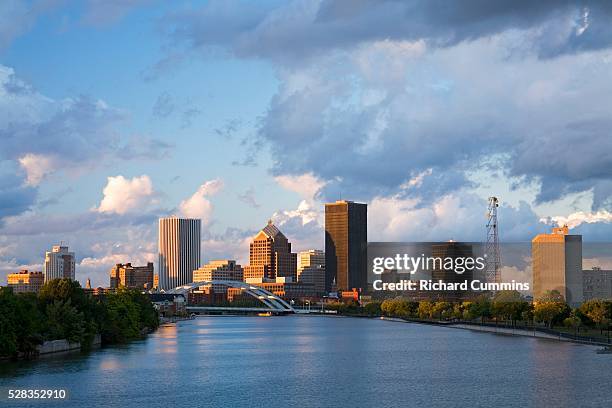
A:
(322, 361)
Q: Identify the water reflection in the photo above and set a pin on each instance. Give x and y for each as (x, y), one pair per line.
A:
(323, 361)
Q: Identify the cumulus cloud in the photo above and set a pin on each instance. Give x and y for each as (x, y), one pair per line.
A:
(373, 93)
(123, 195)
(575, 219)
(306, 185)
(36, 166)
(43, 136)
(199, 205)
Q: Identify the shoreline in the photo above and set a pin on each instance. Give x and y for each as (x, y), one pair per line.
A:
(504, 331)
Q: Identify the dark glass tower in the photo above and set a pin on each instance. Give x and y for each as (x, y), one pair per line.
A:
(346, 241)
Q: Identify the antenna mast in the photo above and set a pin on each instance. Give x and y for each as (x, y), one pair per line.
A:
(493, 274)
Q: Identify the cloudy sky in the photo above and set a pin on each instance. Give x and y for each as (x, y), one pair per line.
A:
(113, 113)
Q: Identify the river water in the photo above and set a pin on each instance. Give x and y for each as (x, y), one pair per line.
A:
(315, 361)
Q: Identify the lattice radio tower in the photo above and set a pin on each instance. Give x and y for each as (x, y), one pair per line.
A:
(493, 274)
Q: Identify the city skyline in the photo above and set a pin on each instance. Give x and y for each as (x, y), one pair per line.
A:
(113, 119)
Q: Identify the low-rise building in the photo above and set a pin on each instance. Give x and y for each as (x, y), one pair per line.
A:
(223, 269)
(311, 269)
(597, 284)
(25, 281)
(132, 277)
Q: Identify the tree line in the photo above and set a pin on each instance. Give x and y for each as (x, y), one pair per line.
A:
(506, 306)
(62, 310)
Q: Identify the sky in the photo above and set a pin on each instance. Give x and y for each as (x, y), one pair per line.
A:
(115, 113)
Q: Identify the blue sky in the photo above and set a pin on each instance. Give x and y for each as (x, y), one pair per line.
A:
(113, 113)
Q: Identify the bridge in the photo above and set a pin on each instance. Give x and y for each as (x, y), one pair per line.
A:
(270, 302)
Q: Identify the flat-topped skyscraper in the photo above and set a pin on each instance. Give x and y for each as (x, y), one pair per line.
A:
(346, 244)
(59, 263)
(179, 250)
(557, 265)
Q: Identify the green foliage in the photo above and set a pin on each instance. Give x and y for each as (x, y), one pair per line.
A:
(373, 308)
(509, 305)
(62, 310)
(596, 313)
(550, 311)
(64, 321)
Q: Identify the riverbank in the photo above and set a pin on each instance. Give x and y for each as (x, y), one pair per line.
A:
(506, 331)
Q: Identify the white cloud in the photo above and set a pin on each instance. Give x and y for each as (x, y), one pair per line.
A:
(198, 205)
(37, 167)
(306, 185)
(575, 219)
(123, 195)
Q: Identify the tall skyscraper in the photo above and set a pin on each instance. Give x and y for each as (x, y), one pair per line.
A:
(311, 269)
(557, 264)
(346, 242)
(59, 263)
(270, 255)
(179, 250)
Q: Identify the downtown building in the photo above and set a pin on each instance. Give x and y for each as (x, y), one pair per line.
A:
(132, 277)
(25, 281)
(451, 250)
(223, 269)
(59, 263)
(179, 250)
(557, 265)
(270, 256)
(597, 284)
(311, 269)
(346, 242)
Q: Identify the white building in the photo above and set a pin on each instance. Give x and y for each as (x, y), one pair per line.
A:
(179, 250)
(311, 269)
(59, 263)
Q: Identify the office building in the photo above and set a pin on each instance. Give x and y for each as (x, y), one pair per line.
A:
(132, 277)
(597, 284)
(346, 240)
(453, 250)
(225, 269)
(59, 263)
(179, 251)
(25, 281)
(557, 265)
(270, 255)
(311, 269)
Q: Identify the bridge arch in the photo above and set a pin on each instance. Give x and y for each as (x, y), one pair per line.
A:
(273, 302)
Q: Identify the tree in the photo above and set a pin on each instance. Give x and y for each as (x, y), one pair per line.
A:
(121, 318)
(597, 312)
(573, 322)
(441, 309)
(373, 308)
(425, 308)
(64, 321)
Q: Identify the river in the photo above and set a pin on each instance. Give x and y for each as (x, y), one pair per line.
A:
(315, 361)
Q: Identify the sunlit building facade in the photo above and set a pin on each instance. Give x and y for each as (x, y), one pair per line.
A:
(132, 277)
(346, 241)
(25, 281)
(557, 265)
(59, 263)
(270, 255)
(179, 250)
(311, 269)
